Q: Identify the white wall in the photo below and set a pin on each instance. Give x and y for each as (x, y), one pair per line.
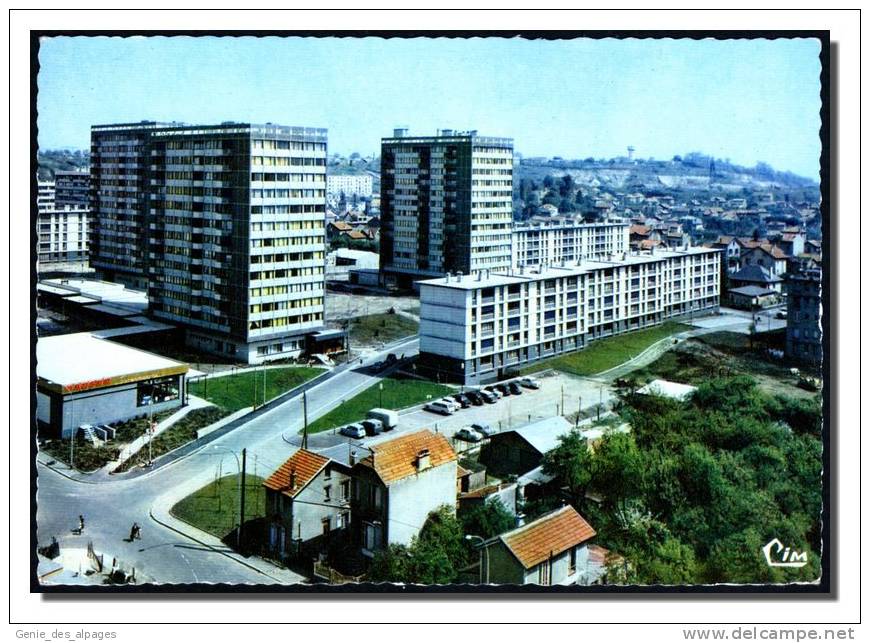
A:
(412, 499)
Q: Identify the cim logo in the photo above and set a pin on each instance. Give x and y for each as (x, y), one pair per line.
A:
(778, 555)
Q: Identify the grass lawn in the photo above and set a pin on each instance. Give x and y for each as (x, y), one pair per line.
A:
(177, 435)
(215, 507)
(604, 354)
(398, 393)
(386, 327)
(234, 392)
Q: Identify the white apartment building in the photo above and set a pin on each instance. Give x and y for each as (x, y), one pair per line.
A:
(349, 184)
(446, 205)
(478, 328)
(548, 241)
(62, 230)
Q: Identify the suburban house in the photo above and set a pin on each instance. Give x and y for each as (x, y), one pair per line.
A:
(398, 485)
(730, 251)
(307, 505)
(337, 228)
(767, 256)
(519, 451)
(755, 275)
(551, 550)
(792, 243)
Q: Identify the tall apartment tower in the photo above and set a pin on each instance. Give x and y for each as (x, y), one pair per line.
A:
(231, 244)
(446, 205)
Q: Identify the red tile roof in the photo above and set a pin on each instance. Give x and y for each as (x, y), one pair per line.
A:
(341, 225)
(303, 465)
(646, 244)
(547, 536)
(641, 230)
(396, 459)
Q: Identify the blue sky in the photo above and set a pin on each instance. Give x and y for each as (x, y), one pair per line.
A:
(746, 100)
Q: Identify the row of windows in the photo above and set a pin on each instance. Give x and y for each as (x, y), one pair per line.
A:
(271, 144)
(293, 256)
(270, 291)
(288, 209)
(284, 305)
(281, 274)
(284, 194)
(259, 226)
(285, 321)
(269, 177)
(286, 160)
(277, 242)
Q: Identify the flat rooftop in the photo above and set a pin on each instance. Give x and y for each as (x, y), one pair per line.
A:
(538, 273)
(80, 361)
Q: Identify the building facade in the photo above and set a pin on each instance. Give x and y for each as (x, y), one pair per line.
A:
(551, 241)
(446, 205)
(479, 328)
(229, 235)
(72, 188)
(803, 337)
(349, 185)
(62, 229)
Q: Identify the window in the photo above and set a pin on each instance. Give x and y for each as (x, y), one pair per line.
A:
(325, 523)
(371, 536)
(345, 489)
(327, 492)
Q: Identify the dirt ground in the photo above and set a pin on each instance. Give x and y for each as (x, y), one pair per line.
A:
(694, 361)
(341, 305)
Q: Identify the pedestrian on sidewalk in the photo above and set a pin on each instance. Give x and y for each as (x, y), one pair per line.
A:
(81, 523)
(134, 531)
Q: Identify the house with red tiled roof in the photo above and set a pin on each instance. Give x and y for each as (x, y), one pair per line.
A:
(550, 550)
(307, 505)
(398, 485)
(766, 255)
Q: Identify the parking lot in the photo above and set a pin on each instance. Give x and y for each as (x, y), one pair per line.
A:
(506, 413)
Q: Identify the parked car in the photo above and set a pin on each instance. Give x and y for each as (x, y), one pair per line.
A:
(390, 419)
(372, 426)
(781, 314)
(530, 382)
(504, 388)
(449, 401)
(514, 388)
(391, 359)
(475, 397)
(468, 434)
(495, 390)
(488, 396)
(463, 400)
(439, 406)
(353, 431)
(484, 429)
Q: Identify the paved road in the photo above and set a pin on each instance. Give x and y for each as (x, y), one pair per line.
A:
(111, 506)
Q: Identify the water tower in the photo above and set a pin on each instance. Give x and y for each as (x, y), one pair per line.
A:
(630, 149)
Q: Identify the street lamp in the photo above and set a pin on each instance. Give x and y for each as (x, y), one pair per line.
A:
(485, 549)
(242, 506)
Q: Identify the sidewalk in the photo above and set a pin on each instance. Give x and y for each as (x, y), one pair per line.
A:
(134, 446)
(160, 514)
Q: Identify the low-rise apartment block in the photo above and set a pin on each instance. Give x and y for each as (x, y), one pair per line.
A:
(349, 185)
(551, 240)
(478, 328)
(62, 229)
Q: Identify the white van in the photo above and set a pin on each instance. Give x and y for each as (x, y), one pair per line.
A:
(390, 419)
(439, 406)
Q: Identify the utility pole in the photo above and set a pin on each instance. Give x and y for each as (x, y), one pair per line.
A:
(381, 394)
(600, 398)
(562, 406)
(255, 388)
(264, 384)
(242, 499)
(579, 411)
(304, 420)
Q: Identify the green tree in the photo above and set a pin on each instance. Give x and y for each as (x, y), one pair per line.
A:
(617, 469)
(571, 463)
(487, 520)
(390, 565)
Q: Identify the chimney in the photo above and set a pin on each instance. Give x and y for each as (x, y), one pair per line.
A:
(352, 458)
(520, 519)
(423, 462)
(293, 480)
